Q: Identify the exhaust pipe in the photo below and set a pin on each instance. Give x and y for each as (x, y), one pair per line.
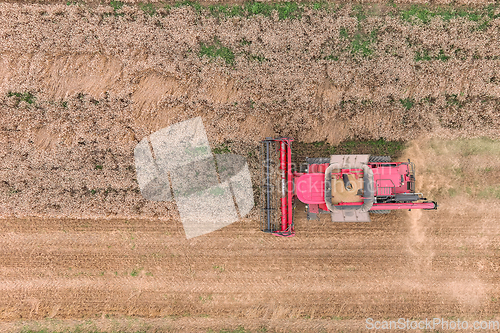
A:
(347, 183)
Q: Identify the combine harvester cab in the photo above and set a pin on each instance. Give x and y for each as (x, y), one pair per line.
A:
(348, 187)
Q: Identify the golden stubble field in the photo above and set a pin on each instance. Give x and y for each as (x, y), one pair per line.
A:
(81, 249)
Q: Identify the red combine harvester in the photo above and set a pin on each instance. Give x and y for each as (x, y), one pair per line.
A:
(348, 187)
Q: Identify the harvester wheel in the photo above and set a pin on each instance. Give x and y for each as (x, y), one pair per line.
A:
(379, 159)
(312, 216)
(318, 160)
(380, 211)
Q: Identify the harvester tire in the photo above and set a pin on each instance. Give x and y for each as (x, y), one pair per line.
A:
(312, 216)
(380, 211)
(318, 160)
(379, 159)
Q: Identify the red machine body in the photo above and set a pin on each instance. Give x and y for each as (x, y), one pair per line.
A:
(391, 179)
(347, 186)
